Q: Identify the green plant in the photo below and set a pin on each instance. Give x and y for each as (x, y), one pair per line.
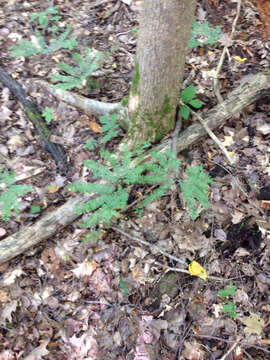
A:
(119, 174)
(91, 144)
(188, 97)
(195, 189)
(38, 45)
(123, 286)
(43, 18)
(47, 114)
(10, 193)
(112, 193)
(229, 307)
(110, 126)
(202, 34)
(34, 209)
(77, 75)
(92, 236)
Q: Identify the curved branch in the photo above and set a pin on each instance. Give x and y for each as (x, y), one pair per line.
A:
(89, 106)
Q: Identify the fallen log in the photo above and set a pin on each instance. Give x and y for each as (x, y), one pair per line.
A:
(247, 93)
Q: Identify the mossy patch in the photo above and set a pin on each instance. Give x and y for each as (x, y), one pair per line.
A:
(124, 102)
(135, 79)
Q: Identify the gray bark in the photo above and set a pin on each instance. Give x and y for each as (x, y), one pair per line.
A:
(164, 33)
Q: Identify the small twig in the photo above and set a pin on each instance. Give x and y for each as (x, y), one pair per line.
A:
(177, 129)
(237, 183)
(231, 342)
(152, 246)
(230, 350)
(210, 133)
(225, 50)
(163, 252)
(247, 354)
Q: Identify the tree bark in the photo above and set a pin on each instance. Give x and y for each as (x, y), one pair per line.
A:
(244, 95)
(164, 33)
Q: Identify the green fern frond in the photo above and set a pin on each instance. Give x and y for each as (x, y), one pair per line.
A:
(9, 197)
(110, 126)
(91, 205)
(77, 75)
(195, 189)
(156, 194)
(28, 48)
(91, 188)
(99, 170)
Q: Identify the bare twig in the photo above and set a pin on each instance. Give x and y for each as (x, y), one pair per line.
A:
(237, 183)
(231, 342)
(163, 252)
(151, 246)
(176, 132)
(210, 133)
(225, 50)
(231, 349)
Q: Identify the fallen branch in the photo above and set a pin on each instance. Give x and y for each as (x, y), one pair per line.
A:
(35, 116)
(244, 95)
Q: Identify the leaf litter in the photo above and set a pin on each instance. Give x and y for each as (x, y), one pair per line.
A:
(63, 299)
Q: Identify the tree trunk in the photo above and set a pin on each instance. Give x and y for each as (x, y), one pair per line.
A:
(164, 33)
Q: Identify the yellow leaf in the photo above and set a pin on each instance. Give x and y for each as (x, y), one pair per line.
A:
(53, 188)
(239, 59)
(15, 75)
(195, 269)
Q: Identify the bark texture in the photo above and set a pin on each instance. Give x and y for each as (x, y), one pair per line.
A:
(164, 33)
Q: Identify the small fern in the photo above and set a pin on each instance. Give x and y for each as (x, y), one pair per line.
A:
(9, 196)
(38, 45)
(114, 194)
(43, 18)
(110, 126)
(195, 189)
(77, 75)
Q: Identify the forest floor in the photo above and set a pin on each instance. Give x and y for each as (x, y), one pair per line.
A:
(115, 299)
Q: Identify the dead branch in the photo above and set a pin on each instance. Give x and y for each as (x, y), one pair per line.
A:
(247, 93)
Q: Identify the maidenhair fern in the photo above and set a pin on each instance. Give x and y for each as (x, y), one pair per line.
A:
(195, 189)
(10, 193)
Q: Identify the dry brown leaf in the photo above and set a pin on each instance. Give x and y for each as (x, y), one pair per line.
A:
(95, 126)
(4, 297)
(254, 324)
(85, 269)
(8, 309)
(193, 351)
(15, 142)
(39, 352)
